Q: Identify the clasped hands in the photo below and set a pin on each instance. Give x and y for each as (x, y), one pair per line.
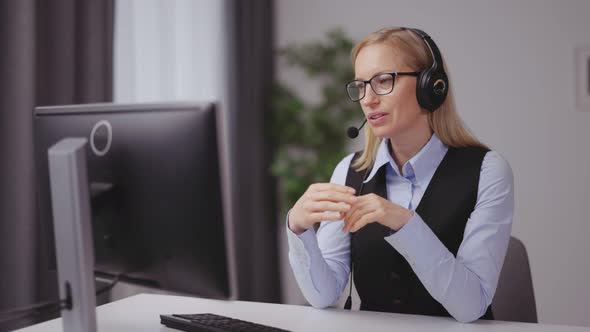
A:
(333, 202)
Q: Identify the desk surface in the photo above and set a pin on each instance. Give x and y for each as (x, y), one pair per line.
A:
(141, 313)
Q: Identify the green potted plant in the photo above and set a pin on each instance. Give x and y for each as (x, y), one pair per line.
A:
(310, 138)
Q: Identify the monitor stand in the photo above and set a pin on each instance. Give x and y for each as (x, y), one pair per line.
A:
(73, 237)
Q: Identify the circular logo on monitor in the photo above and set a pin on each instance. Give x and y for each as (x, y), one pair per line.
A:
(101, 137)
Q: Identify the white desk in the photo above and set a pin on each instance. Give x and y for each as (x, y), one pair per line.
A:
(141, 313)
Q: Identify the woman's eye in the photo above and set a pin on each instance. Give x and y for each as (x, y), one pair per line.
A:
(385, 80)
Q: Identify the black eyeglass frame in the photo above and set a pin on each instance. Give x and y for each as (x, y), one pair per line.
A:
(394, 74)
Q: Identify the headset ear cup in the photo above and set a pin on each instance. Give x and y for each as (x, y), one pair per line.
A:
(439, 88)
(431, 89)
(421, 89)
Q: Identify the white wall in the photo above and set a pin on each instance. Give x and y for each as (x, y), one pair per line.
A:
(511, 64)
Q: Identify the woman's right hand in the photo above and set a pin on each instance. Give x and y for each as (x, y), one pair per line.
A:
(320, 202)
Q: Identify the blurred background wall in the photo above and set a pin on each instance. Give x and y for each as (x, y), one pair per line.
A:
(512, 68)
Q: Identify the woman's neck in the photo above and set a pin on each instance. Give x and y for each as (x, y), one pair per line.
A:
(404, 147)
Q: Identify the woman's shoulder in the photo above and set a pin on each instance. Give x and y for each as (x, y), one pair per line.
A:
(492, 160)
(344, 164)
(496, 169)
(341, 170)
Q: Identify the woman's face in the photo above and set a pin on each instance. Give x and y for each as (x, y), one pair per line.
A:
(396, 114)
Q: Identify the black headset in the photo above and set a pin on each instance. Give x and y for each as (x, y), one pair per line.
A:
(432, 84)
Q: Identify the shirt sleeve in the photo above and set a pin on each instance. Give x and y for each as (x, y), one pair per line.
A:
(465, 285)
(321, 262)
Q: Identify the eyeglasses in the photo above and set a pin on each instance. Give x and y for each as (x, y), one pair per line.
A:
(381, 84)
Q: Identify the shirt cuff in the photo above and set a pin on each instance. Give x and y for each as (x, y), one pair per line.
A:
(301, 245)
(418, 244)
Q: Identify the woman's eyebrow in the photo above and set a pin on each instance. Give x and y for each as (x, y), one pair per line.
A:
(377, 73)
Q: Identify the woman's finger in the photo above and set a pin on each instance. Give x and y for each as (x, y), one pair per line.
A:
(356, 212)
(317, 187)
(363, 221)
(322, 206)
(333, 196)
(353, 213)
(324, 216)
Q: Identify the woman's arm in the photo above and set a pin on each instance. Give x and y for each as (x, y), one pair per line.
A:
(465, 285)
(321, 263)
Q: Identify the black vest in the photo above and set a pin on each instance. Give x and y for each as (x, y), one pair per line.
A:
(383, 278)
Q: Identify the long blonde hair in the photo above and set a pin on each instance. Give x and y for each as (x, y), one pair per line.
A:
(445, 122)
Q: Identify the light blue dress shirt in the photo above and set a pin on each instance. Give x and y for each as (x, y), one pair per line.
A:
(465, 284)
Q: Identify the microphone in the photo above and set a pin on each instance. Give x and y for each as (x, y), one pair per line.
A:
(353, 132)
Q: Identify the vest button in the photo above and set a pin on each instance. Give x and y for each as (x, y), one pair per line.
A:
(394, 276)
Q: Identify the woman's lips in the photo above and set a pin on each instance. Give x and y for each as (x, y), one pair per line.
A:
(376, 118)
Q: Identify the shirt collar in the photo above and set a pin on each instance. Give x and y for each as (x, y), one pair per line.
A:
(422, 166)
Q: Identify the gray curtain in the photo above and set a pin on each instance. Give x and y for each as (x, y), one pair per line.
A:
(254, 189)
(51, 52)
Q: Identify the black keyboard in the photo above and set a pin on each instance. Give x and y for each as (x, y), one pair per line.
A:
(213, 323)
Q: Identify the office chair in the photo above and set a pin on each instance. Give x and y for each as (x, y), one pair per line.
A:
(515, 299)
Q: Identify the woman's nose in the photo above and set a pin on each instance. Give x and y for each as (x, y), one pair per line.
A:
(371, 98)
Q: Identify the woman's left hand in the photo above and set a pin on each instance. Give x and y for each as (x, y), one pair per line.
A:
(374, 208)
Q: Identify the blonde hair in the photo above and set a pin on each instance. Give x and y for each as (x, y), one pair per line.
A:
(445, 122)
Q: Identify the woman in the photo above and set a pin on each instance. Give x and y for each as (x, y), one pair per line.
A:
(425, 209)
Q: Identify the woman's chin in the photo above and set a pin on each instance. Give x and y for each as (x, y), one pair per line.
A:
(382, 132)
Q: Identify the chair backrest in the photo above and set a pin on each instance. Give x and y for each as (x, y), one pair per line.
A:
(514, 299)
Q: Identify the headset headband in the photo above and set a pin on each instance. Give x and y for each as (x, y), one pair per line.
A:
(437, 62)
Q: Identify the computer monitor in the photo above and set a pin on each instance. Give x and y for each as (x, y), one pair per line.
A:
(156, 192)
